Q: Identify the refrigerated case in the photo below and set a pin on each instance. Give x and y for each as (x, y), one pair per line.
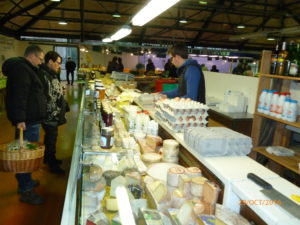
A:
(222, 169)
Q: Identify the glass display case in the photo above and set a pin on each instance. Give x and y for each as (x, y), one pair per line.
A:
(87, 188)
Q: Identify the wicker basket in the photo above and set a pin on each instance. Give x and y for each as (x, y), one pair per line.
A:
(21, 161)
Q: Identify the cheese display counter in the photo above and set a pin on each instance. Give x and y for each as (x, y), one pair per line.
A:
(129, 160)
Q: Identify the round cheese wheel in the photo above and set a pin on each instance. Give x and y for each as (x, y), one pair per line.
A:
(193, 172)
(173, 176)
(177, 199)
(170, 159)
(151, 157)
(170, 144)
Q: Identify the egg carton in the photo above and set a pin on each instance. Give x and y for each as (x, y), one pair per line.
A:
(191, 117)
(179, 127)
(217, 141)
(182, 108)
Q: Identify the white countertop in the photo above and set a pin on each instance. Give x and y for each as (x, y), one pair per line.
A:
(271, 214)
(232, 171)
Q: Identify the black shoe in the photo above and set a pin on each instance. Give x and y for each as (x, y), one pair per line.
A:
(56, 169)
(35, 183)
(58, 161)
(53, 161)
(31, 198)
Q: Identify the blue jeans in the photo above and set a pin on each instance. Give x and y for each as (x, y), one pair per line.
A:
(32, 133)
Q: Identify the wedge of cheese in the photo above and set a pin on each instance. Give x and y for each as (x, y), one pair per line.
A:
(153, 141)
(186, 214)
(159, 190)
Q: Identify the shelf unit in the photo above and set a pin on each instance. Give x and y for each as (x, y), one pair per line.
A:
(262, 124)
(282, 84)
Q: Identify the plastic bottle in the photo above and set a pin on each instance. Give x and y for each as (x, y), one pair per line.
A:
(261, 101)
(292, 115)
(267, 103)
(279, 107)
(286, 107)
(273, 105)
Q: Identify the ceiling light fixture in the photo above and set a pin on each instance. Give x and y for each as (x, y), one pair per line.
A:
(116, 15)
(123, 32)
(152, 10)
(55, 0)
(203, 2)
(271, 38)
(63, 22)
(183, 21)
(241, 26)
(106, 40)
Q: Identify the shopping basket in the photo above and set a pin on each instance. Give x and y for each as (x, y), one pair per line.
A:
(22, 160)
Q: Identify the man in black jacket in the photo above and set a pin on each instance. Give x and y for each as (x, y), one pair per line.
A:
(70, 67)
(26, 108)
(56, 109)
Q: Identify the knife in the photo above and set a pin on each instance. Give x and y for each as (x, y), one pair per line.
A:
(284, 202)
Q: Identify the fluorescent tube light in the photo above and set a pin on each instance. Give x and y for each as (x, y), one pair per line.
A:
(116, 15)
(183, 21)
(123, 32)
(152, 10)
(62, 23)
(107, 40)
(203, 2)
(125, 212)
(241, 26)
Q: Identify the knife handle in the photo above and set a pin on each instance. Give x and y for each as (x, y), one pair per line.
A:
(256, 179)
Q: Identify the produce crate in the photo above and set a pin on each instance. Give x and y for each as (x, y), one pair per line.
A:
(169, 87)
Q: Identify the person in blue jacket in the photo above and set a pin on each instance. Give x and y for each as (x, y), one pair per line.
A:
(191, 83)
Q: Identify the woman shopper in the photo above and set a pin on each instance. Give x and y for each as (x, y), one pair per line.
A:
(56, 109)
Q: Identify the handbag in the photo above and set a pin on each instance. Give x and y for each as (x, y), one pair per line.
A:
(20, 157)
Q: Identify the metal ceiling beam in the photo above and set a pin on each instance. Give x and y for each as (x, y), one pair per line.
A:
(263, 23)
(37, 17)
(8, 32)
(151, 39)
(189, 2)
(81, 20)
(170, 18)
(296, 17)
(207, 22)
(235, 11)
(142, 34)
(21, 11)
(16, 5)
(292, 3)
(193, 5)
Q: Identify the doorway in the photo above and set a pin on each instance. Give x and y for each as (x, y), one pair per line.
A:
(65, 52)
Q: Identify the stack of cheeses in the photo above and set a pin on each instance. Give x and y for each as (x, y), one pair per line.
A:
(186, 190)
(147, 100)
(217, 141)
(180, 113)
(170, 151)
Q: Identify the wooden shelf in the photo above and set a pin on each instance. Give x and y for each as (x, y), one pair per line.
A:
(293, 124)
(279, 76)
(289, 162)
